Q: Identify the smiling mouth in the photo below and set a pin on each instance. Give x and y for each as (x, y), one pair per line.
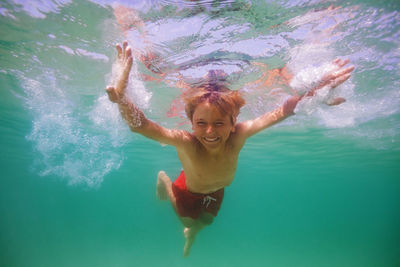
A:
(211, 140)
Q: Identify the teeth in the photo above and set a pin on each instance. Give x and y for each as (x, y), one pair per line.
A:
(211, 139)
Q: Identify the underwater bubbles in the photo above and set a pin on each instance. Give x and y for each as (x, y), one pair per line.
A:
(81, 148)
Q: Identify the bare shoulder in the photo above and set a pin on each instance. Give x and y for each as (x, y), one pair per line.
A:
(238, 137)
(241, 129)
(179, 138)
(183, 135)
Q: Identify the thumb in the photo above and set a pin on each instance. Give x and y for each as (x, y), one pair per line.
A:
(112, 95)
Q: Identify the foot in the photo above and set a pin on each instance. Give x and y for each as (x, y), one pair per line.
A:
(121, 70)
(128, 18)
(161, 190)
(190, 235)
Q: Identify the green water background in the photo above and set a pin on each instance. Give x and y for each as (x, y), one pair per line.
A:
(302, 196)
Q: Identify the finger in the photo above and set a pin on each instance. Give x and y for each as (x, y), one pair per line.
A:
(335, 75)
(342, 63)
(129, 65)
(124, 45)
(343, 72)
(130, 60)
(336, 61)
(340, 80)
(336, 101)
(111, 93)
(119, 50)
(128, 52)
(349, 69)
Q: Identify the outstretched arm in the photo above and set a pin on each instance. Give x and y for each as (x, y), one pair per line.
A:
(332, 79)
(134, 117)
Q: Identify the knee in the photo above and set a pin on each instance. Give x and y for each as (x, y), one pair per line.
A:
(187, 221)
(161, 173)
(207, 219)
(164, 177)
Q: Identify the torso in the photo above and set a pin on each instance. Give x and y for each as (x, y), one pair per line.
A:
(204, 173)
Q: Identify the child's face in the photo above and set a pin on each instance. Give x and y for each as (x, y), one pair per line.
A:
(210, 127)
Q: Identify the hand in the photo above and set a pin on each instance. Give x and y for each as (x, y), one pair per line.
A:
(121, 69)
(335, 77)
(338, 75)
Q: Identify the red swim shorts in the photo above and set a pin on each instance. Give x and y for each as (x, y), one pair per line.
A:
(192, 204)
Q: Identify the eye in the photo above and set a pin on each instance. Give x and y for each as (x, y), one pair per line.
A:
(201, 123)
(219, 123)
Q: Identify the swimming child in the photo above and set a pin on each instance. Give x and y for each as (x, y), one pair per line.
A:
(209, 153)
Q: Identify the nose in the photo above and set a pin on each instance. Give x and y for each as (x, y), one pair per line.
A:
(209, 129)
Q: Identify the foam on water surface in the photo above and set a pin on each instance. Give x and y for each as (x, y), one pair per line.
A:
(81, 137)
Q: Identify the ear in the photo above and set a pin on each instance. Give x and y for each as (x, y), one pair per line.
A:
(233, 123)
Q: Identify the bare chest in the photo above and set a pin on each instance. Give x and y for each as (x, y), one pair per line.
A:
(208, 174)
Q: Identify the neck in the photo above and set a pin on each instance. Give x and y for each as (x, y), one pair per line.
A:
(214, 152)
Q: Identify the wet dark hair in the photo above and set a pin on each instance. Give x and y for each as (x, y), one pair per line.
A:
(215, 92)
(214, 77)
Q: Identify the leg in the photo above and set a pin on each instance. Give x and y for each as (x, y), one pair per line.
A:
(128, 18)
(192, 227)
(164, 188)
(164, 192)
(191, 232)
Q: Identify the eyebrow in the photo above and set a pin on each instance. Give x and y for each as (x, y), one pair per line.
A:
(217, 120)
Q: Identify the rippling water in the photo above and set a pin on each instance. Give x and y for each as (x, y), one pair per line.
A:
(320, 189)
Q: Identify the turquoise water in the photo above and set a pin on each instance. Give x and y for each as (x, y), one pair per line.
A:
(78, 189)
